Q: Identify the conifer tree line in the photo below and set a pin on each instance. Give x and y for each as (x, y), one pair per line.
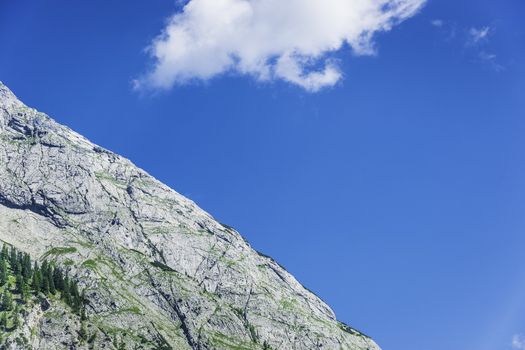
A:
(21, 279)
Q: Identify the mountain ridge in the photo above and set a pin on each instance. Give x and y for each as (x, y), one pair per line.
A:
(139, 244)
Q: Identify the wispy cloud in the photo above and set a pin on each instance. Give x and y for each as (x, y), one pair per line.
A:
(478, 35)
(518, 342)
(446, 28)
(437, 23)
(490, 59)
(478, 40)
(475, 42)
(269, 39)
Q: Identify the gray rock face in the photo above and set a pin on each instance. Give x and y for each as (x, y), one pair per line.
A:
(55, 327)
(156, 268)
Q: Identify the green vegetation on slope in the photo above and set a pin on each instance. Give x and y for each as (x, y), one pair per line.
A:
(23, 281)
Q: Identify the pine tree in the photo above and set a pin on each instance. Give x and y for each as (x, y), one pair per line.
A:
(3, 271)
(36, 282)
(31, 279)
(3, 321)
(16, 319)
(49, 276)
(19, 282)
(13, 259)
(45, 285)
(18, 267)
(26, 267)
(75, 297)
(58, 278)
(7, 301)
(26, 292)
(45, 280)
(44, 268)
(66, 292)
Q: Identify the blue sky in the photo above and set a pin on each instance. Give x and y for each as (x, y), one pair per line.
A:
(396, 193)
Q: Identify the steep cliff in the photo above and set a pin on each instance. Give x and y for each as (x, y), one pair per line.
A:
(157, 270)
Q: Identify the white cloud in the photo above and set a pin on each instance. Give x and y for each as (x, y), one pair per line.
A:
(477, 35)
(518, 342)
(268, 39)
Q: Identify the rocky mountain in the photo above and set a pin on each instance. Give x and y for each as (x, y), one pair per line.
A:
(157, 271)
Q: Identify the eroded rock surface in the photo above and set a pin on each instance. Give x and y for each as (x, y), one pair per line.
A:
(156, 268)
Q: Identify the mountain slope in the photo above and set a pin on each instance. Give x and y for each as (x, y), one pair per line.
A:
(153, 265)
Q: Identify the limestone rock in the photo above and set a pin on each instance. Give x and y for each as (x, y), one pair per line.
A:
(158, 271)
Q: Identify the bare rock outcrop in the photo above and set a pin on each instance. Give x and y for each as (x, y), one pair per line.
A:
(158, 271)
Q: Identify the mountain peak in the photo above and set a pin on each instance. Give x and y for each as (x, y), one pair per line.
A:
(7, 97)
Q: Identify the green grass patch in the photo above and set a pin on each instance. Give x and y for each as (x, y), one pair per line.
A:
(59, 251)
(90, 264)
(222, 341)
